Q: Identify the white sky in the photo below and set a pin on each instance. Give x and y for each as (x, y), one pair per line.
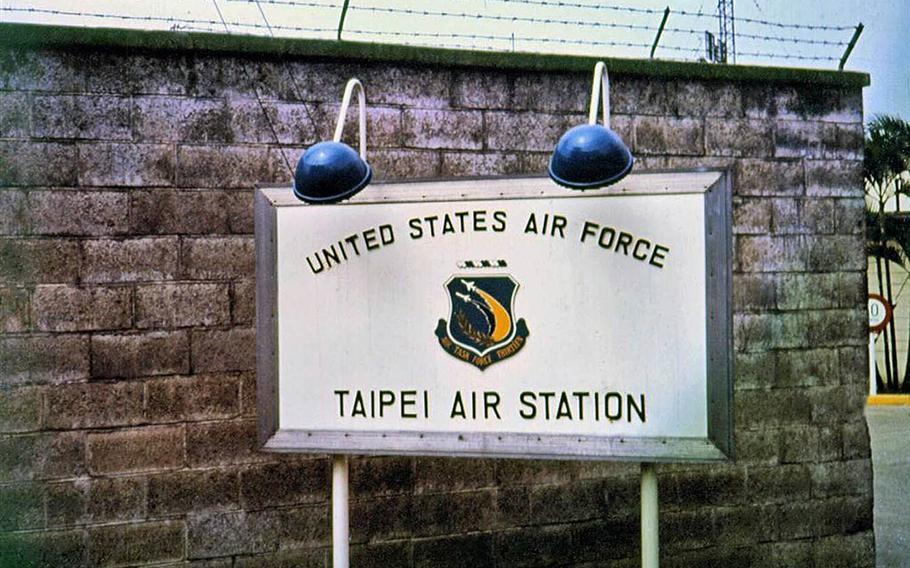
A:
(883, 49)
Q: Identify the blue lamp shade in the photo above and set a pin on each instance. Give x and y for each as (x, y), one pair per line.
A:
(589, 156)
(329, 172)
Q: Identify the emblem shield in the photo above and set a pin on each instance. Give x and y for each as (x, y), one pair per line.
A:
(481, 328)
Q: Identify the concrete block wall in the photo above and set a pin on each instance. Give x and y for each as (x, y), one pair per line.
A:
(127, 383)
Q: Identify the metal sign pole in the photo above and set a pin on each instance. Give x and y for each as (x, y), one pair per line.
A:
(873, 387)
(340, 512)
(650, 544)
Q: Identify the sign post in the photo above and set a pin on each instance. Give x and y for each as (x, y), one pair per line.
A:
(499, 318)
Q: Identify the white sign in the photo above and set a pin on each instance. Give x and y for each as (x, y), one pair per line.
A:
(499, 317)
(879, 313)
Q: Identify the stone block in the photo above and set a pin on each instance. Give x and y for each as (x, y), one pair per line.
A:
(107, 71)
(642, 96)
(115, 499)
(95, 117)
(69, 308)
(845, 551)
(449, 129)
(836, 252)
(855, 437)
(384, 127)
(223, 443)
(243, 303)
(770, 254)
(126, 164)
(40, 261)
(849, 216)
(753, 332)
(689, 530)
(752, 216)
(739, 137)
(182, 304)
(754, 292)
(20, 409)
(42, 456)
(127, 544)
(551, 92)
(217, 258)
(526, 130)
(288, 482)
(390, 164)
(479, 90)
(140, 354)
(708, 98)
(824, 290)
(186, 212)
(567, 503)
(22, 505)
(763, 177)
(391, 517)
(224, 534)
(775, 408)
(719, 487)
(805, 368)
(381, 555)
(248, 394)
(834, 479)
(14, 115)
(454, 551)
(200, 397)
(415, 87)
(130, 260)
(193, 491)
(834, 178)
(779, 484)
(152, 448)
(94, 405)
(665, 135)
(745, 525)
(382, 475)
(14, 310)
(78, 213)
(756, 447)
(815, 103)
(224, 350)
(38, 163)
(461, 164)
(224, 166)
(754, 370)
(535, 546)
(240, 211)
(44, 359)
(57, 548)
(14, 214)
(818, 140)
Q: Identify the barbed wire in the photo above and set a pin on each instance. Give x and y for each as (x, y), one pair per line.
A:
(211, 25)
(510, 38)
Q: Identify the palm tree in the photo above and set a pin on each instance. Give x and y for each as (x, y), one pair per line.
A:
(886, 161)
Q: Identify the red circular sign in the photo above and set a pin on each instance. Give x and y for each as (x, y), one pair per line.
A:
(880, 313)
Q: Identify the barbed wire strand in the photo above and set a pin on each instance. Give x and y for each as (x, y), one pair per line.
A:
(294, 86)
(184, 23)
(265, 113)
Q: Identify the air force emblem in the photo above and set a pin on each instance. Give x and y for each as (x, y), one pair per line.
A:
(481, 329)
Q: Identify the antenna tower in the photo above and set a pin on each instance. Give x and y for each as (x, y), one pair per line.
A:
(726, 24)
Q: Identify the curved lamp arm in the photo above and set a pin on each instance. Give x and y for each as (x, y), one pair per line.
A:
(362, 103)
(601, 89)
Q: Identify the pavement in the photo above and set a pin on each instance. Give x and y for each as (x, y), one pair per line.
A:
(889, 431)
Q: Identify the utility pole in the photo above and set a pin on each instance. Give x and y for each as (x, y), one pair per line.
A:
(726, 24)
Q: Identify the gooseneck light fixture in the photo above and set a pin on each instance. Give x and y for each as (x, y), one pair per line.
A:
(329, 172)
(589, 156)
